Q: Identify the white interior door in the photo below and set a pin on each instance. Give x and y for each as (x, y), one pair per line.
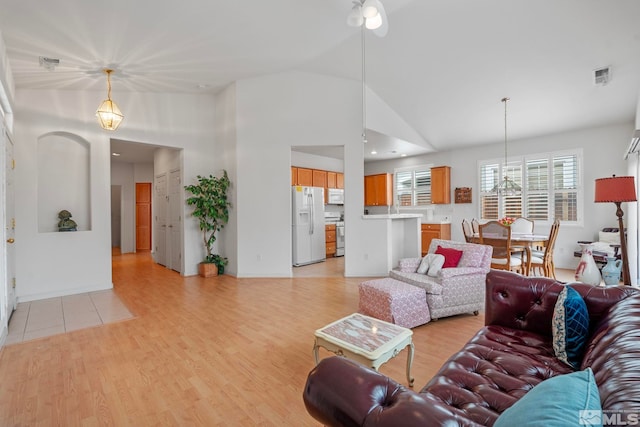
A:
(174, 236)
(10, 225)
(160, 219)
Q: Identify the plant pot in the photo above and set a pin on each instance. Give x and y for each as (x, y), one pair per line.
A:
(207, 269)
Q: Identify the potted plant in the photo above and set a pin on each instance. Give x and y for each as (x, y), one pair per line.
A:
(211, 207)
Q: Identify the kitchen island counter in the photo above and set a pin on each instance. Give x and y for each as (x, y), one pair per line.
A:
(396, 236)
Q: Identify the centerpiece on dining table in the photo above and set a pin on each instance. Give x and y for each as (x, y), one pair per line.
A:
(507, 220)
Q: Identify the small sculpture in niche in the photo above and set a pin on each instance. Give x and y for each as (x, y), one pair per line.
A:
(66, 223)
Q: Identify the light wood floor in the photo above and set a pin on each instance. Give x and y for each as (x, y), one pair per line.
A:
(203, 352)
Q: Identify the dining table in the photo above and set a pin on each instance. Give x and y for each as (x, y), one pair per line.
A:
(524, 240)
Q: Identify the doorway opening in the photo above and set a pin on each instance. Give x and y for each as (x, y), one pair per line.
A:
(146, 201)
(319, 167)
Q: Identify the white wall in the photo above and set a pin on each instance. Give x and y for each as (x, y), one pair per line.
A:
(6, 122)
(226, 145)
(50, 264)
(603, 148)
(274, 113)
(312, 161)
(122, 174)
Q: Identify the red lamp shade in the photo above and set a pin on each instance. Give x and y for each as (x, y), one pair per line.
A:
(615, 189)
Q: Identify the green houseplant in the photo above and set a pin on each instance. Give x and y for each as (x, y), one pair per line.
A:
(211, 208)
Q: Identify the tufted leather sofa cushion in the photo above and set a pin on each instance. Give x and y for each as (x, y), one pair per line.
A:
(495, 369)
(504, 360)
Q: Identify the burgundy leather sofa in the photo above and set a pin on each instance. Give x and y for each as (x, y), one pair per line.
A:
(504, 360)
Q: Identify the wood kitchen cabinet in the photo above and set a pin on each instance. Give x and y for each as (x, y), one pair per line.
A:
(317, 178)
(434, 231)
(441, 185)
(305, 177)
(378, 189)
(330, 240)
(331, 179)
(320, 178)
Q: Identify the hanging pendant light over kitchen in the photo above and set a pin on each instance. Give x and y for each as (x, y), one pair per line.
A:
(506, 187)
(109, 115)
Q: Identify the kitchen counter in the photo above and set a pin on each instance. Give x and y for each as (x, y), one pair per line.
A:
(392, 216)
(392, 237)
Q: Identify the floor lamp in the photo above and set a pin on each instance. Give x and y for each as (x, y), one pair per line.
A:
(618, 189)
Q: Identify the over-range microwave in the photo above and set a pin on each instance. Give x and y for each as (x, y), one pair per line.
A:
(335, 196)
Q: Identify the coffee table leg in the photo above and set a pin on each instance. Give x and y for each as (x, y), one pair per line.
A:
(409, 363)
(315, 351)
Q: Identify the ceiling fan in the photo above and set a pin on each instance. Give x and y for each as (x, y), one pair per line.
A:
(371, 14)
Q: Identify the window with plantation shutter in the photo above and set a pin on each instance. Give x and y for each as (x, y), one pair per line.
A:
(565, 187)
(537, 189)
(489, 179)
(551, 187)
(512, 204)
(413, 186)
(404, 188)
(422, 186)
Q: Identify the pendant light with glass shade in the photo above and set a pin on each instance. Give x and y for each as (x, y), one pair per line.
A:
(506, 187)
(108, 113)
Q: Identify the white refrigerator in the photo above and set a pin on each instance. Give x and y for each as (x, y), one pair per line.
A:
(308, 224)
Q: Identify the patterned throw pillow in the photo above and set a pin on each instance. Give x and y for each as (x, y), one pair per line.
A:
(436, 265)
(451, 256)
(570, 327)
(431, 265)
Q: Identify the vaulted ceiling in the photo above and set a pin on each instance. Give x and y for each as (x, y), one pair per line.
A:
(443, 66)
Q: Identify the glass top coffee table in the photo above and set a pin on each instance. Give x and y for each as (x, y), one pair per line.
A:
(366, 340)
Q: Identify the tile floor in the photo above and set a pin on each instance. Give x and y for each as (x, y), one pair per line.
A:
(42, 318)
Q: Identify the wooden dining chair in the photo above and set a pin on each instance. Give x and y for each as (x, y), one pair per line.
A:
(543, 261)
(522, 225)
(498, 236)
(475, 226)
(467, 231)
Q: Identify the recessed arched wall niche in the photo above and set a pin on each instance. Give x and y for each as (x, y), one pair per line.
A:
(64, 180)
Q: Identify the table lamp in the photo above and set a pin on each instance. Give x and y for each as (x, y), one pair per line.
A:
(618, 189)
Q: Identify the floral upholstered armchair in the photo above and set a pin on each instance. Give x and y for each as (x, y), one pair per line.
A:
(454, 289)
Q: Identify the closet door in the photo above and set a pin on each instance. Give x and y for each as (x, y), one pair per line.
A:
(160, 223)
(174, 232)
(143, 216)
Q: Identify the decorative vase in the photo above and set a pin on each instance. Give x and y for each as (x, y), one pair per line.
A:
(611, 271)
(587, 271)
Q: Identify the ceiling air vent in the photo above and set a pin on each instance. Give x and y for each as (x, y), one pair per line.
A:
(601, 76)
(49, 64)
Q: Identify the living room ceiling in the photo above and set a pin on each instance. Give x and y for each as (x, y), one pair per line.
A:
(443, 66)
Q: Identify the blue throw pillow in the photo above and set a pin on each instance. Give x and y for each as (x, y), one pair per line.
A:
(565, 400)
(570, 327)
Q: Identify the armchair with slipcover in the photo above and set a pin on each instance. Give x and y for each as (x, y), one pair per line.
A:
(454, 290)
